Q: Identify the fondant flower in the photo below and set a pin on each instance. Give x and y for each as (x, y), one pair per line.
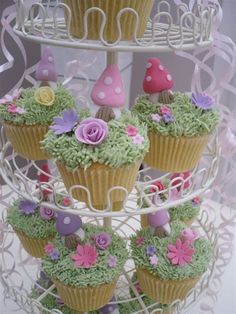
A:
(156, 117)
(46, 213)
(139, 241)
(165, 110)
(159, 185)
(150, 250)
(66, 123)
(189, 235)
(92, 131)
(66, 201)
(168, 118)
(102, 240)
(44, 96)
(203, 101)
(138, 139)
(196, 201)
(86, 256)
(180, 253)
(10, 99)
(49, 248)
(131, 130)
(27, 207)
(154, 260)
(112, 261)
(12, 108)
(54, 255)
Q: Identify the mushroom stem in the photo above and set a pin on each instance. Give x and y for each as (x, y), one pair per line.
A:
(154, 98)
(80, 233)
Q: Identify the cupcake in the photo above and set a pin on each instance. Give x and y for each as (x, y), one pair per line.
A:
(169, 267)
(86, 273)
(111, 8)
(179, 125)
(101, 156)
(26, 114)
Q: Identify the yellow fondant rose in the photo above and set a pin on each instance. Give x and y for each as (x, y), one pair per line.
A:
(44, 96)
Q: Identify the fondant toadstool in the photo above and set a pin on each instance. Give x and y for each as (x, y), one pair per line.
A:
(108, 94)
(110, 308)
(159, 220)
(158, 82)
(69, 227)
(45, 73)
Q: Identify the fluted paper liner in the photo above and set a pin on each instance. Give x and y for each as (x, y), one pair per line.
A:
(175, 154)
(164, 291)
(33, 246)
(111, 8)
(26, 139)
(144, 221)
(87, 298)
(98, 179)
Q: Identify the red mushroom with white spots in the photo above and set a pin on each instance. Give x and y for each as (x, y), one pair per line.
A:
(45, 72)
(69, 227)
(108, 94)
(158, 82)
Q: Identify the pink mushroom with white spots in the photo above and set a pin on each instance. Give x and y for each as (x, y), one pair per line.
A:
(108, 94)
(45, 73)
(69, 227)
(159, 221)
(158, 82)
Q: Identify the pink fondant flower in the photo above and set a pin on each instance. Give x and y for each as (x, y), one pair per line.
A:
(139, 241)
(112, 261)
(8, 99)
(165, 110)
(14, 109)
(66, 201)
(156, 117)
(49, 248)
(180, 253)
(131, 130)
(85, 257)
(196, 201)
(138, 139)
(154, 260)
(189, 235)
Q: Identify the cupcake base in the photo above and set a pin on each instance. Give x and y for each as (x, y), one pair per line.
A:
(164, 291)
(144, 221)
(175, 154)
(26, 139)
(85, 299)
(99, 179)
(33, 246)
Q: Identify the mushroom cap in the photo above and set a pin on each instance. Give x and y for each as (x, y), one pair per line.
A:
(46, 67)
(157, 78)
(159, 218)
(109, 89)
(109, 308)
(67, 224)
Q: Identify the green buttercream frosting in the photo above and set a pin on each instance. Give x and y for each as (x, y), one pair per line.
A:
(189, 120)
(36, 113)
(184, 212)
(164, 269)
(65, 271)
(117, 149)
(31, 225)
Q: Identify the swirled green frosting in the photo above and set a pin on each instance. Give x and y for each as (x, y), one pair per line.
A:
(189, 120)
(31, 225)
(165, 270)
(65, 271)
(36, 113)
(117, 150)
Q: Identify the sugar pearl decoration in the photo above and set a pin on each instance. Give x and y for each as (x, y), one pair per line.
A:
(67, 220)
(108, 80)
(101, 95)
(161, 67)
(117, 90)
(149, 65)
(149, 78)
(169, 78)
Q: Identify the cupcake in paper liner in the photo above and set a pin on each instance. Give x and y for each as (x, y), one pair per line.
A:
(168, 267)
(127, 21)
(84, 262)
(99, 149)
(179, 126)
(27, 114)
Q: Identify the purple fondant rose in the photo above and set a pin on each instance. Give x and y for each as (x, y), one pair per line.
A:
(91, 131)
(46, 213)
(102, 240)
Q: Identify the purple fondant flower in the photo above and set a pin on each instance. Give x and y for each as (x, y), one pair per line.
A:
(91, 131)
(54, 255)
(203, 101)
(112, 261)
(154, 260)
(46, 213)
(27, 207)
(65, 123)
(138, 139)
(150, 250)
(156, 117)
(168, 117)
(102, 240)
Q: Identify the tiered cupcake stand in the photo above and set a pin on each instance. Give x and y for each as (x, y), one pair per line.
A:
(171, 28)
